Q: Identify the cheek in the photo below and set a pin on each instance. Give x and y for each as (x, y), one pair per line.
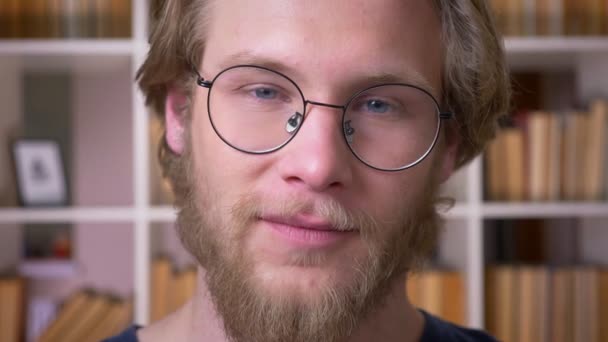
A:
(391, 195)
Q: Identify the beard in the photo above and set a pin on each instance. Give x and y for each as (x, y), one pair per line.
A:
(216, 236)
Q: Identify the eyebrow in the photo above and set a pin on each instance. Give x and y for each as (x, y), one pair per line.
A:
(411, 77)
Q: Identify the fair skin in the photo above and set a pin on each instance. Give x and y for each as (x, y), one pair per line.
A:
(331, 49)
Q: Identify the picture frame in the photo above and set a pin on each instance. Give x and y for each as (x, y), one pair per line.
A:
(40, 172)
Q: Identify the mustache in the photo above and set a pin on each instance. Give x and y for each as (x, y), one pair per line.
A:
(252, 206)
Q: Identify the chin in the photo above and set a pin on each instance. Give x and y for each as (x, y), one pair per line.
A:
(301, 280)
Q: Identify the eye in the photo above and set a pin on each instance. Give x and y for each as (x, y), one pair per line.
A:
(265, 93)
(377, 106)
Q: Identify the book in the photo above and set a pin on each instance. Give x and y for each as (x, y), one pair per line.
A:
(514, 17)
(514, 163)
(95, 312)
(539, 125)
(603, 304)
(551, 17)
(501, 306)
(533, 320)
(573, 156)
(432, 296)
(454, 297)
(120, 12)
(554, 157)
(527, 314)
(12, 312)
(562, 304)
(70, 312)
(529, 17)
(593, 170)
(586, 326)
(184, 286)
(413, 290)
(115, 320)
(161, 287)
(543, 17)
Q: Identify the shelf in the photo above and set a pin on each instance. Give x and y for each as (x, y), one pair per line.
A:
(45, 269)
(64, 215)
(556, 45)
(552, 53)
(162, 214)
(544, 210)
(75, 47)
(74, 55)
(458, 211)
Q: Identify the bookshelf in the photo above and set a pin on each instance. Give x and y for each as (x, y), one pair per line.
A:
(91, 60)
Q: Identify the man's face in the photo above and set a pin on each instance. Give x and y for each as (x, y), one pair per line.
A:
(265, 227)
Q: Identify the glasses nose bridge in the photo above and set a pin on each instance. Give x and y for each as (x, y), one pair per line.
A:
(328, 105)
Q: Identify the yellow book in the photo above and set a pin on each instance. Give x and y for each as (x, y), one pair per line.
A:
(595, 151)
(71, 311)
(454, 297)
(538, 153)
(432, 296)
(95, 311)
(413, 289)
(500, 304)
(11, 309)
(515, 18)
(161, 278)
(562, 300)
(103, 328)
(586, 327)
(527, 315)
(184, 285)
(120, 17)
(116, 319)
(514, 164)
(603, 304)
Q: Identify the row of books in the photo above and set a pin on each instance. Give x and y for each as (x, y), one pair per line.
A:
(88, 316)
(170, 288)
(551, 17)
(439, 292)
(539, 304)
(550, 157)
(65, 18)
(12, 313)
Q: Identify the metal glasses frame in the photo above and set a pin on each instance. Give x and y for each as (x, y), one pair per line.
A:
(202, 82)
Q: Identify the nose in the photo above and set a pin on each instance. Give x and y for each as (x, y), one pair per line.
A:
(318, 159)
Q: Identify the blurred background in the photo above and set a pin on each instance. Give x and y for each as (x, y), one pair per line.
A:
(87, 245)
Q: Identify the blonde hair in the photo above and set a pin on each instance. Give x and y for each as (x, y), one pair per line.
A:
(475, 79)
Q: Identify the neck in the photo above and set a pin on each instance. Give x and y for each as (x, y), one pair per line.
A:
(395, 320)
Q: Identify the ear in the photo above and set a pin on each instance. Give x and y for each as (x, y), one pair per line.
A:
(175, 105)
(451, 147)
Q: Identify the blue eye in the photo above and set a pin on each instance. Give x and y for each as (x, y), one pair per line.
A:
(377, 106)
(265, 93)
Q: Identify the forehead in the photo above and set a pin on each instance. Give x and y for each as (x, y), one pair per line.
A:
(328, 41)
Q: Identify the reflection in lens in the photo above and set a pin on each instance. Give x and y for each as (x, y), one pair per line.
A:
(348, 131)
(293, 123)
(261, 100)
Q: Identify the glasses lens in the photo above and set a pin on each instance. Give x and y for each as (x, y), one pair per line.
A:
(391, 127)
(254, 109)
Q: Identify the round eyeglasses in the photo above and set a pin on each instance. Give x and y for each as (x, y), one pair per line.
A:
(388, 127)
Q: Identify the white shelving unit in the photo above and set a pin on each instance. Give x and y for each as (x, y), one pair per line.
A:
(586, 57)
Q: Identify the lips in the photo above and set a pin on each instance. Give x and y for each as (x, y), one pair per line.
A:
(303, 231)
(301, 222)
